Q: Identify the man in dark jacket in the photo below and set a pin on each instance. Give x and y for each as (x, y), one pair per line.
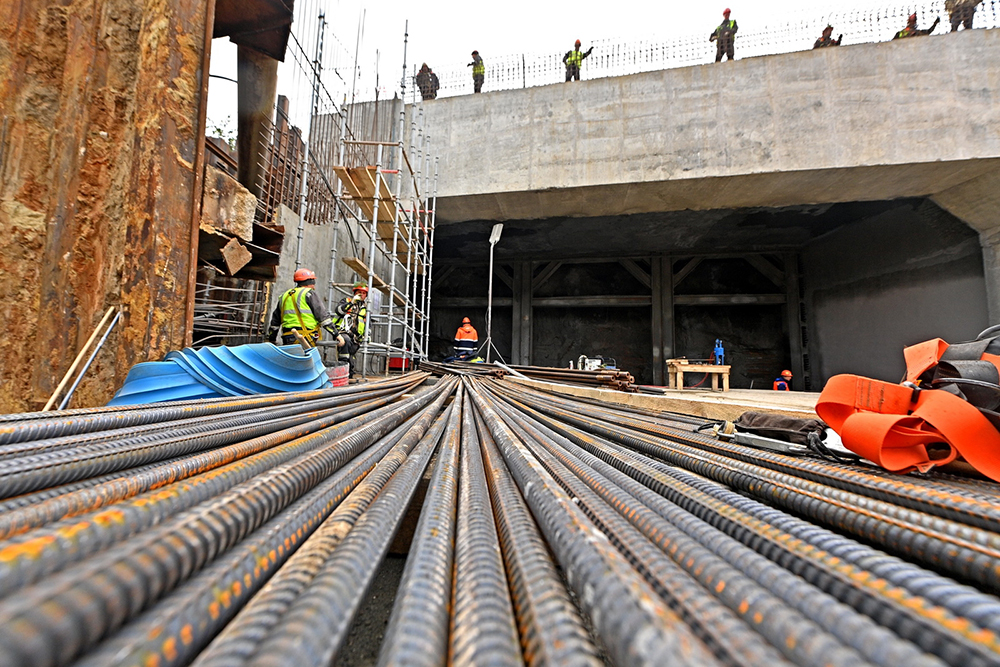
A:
(827, 39)
(911, 28)
(725, 37)
(427, 82)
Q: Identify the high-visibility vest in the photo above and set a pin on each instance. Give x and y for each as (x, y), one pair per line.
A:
(781, 384)
(295, 312)
(575, 58)
(466, 339)
(478, 68)
(353, 322)
(726, 25)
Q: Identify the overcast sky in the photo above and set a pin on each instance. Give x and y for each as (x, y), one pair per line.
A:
(443, 33)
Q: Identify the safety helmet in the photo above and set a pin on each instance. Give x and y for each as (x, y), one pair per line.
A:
(361, 286)
(301, 275)
(726, 11)
(578, 42)
(912, 18)
(475, 53)
(466, 320)
(786, 372)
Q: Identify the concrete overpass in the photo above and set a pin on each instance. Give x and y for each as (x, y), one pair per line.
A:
(763, 154)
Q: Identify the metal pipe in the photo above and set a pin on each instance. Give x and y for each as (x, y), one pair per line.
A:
(90, 360)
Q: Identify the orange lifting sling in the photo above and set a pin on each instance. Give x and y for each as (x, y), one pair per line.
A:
(950, 397)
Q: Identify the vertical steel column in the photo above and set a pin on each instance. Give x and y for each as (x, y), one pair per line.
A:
(313, 112)
(371, 261)
(425, 326)
(338, 213)
(663, 315)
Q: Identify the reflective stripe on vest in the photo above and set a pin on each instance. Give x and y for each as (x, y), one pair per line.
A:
(344, 323)
(575, 58)
(290, 317)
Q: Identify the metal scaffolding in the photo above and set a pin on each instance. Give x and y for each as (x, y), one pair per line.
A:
(394, 203)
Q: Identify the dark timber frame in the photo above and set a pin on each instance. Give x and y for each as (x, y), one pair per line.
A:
(662, 278)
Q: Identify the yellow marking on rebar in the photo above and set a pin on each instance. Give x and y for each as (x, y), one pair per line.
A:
(744, 607)
(719, 587)
(170, 649)
(237, 588)
(108, 517)
(225, 598)
(30, 549)
(187, 634)
(213, 610)
(758, 617)
(69, 532)
(152, 661)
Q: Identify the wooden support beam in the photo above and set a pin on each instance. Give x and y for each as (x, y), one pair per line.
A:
(522, 316)
(770, 271)
(793, 315)
(609, 301)
(443, 275)
(686, 271)
(471, 302)
(504, 277)
(546, 273)
(729, 299)
(637, 271)
(663, 315)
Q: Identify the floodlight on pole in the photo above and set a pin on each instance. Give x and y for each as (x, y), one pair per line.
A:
(494, 239)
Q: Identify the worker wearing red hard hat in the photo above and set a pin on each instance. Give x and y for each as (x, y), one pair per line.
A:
(478, 72)
(574, 61)
(466, 340)
(784, 381)
(725, 37)
(911, 28)
(350, 319)
(300, 310)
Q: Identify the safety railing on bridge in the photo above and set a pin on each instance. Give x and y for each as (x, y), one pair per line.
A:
(618, 57)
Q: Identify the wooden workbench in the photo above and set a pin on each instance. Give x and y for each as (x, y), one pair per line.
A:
(676, 368)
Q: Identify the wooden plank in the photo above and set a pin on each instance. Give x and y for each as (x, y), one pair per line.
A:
(360, 268)
(471, 302)
(637, 271)
(546, 273)
(793, 314)
(235, 256)
(686, 271)
(729, 299)
(502, 274)
(770, 271)
(609, 301)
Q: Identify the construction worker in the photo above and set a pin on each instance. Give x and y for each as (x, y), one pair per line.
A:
(300, 310)
(725, 37)
(961, 12)
(574, 60)
(827, 39)
(911, 28)
(466, 340)
(427, 82)
(478, 71)
(784, 381)
(349, 323)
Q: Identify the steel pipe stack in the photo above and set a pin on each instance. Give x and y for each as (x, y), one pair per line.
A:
(553, 531)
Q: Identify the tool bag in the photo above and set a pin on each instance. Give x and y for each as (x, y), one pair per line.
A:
(946, 408)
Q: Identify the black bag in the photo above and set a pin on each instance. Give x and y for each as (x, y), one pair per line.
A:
(780, 427)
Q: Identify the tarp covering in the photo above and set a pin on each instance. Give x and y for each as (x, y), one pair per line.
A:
(212, 372)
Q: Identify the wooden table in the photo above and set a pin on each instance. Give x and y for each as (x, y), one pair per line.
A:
(676, 368)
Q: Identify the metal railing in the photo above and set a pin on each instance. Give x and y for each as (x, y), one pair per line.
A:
(621, 57)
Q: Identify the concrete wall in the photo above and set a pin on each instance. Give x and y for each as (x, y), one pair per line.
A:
(858, 123)
(878, 285)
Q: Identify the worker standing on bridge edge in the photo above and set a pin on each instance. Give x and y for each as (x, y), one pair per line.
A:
(300, 310)
(574, 61)
(827, 39)
(349, 321)
(911, 28)
(427, 82)
(784, 381)
(725, 37)
(961, 12)
(478, 71)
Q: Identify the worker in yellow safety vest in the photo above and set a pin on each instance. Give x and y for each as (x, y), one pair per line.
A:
(478, 71)
(574, 61)
(725, 37)
(301, 311)
(349, 321)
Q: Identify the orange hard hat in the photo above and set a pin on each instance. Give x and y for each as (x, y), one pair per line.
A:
(786, 372)
(578, 42)
(303, 275)
(466, 320)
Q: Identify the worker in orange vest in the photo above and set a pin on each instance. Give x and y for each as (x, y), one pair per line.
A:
(784, 383)
(466, 340)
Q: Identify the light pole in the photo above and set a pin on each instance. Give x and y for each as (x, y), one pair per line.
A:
(494, 238)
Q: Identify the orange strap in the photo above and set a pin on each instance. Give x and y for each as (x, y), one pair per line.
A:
(891, 424)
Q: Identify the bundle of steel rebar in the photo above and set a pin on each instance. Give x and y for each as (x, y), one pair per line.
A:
(610, 378)
(462, 368)
(229, 532)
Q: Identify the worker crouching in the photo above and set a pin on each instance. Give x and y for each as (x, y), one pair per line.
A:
(349, 321)
(466, 342)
